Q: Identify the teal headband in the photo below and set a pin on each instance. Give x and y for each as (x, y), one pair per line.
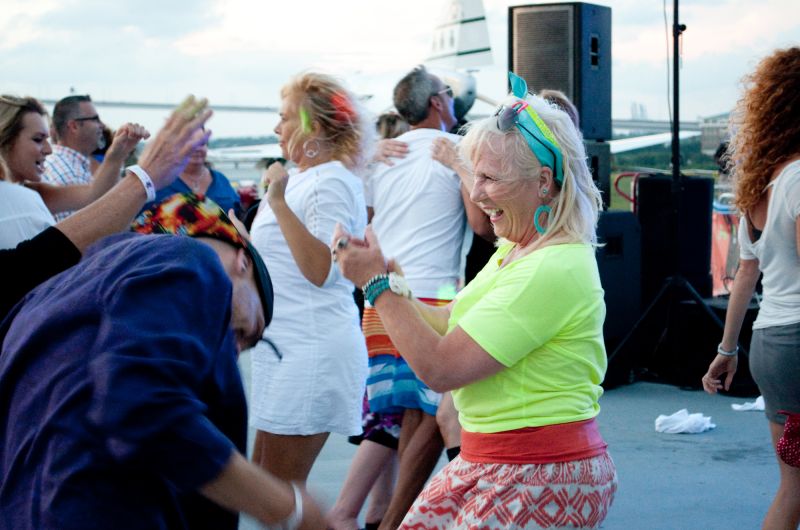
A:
(537, 134)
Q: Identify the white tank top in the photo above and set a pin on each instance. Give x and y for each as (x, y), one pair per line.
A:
(776, 251)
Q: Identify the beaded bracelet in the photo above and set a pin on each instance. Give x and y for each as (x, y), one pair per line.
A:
(726, 353)
(375, 287)
(373, 280)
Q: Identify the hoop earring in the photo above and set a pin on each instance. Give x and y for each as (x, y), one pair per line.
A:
(311, 151)
(543, 209)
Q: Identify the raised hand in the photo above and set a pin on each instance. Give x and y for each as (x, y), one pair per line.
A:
(359, 260)
(275, 179)
(444, 151)
(125, 140)
(165, 157)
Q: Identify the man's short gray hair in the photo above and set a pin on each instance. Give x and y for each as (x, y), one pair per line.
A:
(413, 93)
(67, 109)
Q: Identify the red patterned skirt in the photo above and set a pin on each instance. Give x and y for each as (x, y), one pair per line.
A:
(574, 494)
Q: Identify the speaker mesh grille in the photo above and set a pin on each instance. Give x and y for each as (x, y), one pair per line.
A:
(543, 44)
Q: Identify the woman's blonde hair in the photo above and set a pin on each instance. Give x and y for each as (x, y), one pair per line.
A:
(576, 208)
(765, 126)
(345, 127)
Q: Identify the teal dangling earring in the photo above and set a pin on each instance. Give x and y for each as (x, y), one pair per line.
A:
(543, 209)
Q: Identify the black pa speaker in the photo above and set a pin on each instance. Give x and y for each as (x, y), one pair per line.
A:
(619, 265)
(598, 158)
(566, 47)
(665, 217)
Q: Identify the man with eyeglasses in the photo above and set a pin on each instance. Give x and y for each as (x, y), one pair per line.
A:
(418, 212)
(78, 132)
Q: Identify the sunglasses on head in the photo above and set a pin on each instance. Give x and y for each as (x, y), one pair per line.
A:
(545, 150)
(446, 90)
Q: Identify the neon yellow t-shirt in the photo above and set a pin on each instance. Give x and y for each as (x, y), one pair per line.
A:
(541, 317)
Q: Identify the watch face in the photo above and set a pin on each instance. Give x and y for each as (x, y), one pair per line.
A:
(398, 284)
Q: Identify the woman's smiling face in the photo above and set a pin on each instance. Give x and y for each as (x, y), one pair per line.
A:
(509, 200)
(26, 157)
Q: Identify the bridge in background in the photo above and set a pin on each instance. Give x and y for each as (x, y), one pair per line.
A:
(170, 106)
(630, 126)
(652, 126)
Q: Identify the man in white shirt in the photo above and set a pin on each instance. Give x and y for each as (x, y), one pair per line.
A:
(417, 208)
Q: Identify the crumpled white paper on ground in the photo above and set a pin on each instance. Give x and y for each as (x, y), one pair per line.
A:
(682, 422)
(758, 404)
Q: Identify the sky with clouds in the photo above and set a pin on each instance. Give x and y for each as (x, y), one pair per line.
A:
(241, 52)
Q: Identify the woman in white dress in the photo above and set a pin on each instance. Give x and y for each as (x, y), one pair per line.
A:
(310, 367)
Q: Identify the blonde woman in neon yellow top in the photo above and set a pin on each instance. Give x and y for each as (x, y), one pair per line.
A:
(521, 346)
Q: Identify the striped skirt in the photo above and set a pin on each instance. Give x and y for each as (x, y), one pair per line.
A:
(391, 384)
(575, 494)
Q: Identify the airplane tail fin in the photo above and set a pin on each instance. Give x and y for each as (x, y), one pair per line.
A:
(461, 40)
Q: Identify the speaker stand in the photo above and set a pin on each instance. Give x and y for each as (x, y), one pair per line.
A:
(676, 282)
(666, 295)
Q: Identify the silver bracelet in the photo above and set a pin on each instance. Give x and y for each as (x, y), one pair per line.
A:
(292, 522)
(144, 178)
(726, 353)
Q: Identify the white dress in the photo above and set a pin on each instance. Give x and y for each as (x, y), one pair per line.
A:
(23, 214)
(310, 368)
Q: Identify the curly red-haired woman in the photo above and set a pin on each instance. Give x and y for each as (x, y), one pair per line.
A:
(765, 158)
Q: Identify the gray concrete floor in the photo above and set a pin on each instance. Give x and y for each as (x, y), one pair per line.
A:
(721, 479)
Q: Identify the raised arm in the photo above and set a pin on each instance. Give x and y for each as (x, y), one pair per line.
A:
(65, 198)
(312, 256)
(33, 261)
(445, 152)
(163, 159)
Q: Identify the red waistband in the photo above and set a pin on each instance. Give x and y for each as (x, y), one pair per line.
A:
(534, 445)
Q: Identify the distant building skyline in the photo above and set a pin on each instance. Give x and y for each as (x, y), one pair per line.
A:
(638, 111)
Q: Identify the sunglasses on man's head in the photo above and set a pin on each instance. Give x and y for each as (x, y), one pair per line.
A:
(446, 90)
